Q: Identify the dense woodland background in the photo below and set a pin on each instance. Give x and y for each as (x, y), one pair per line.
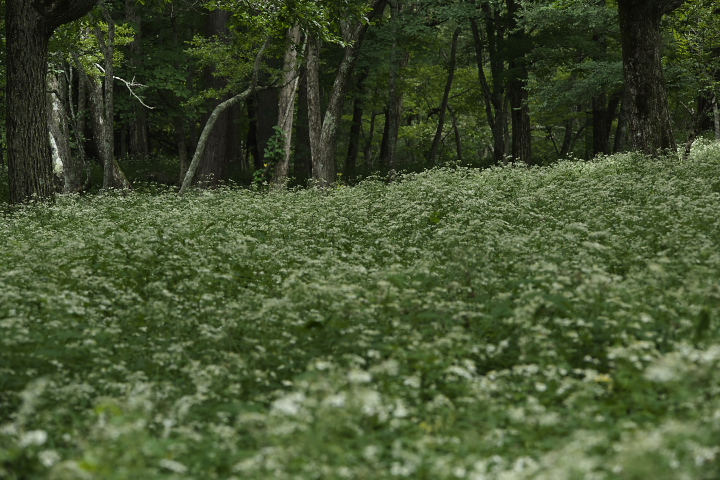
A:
(389, 85)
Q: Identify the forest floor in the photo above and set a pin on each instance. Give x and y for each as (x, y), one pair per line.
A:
(513, 323)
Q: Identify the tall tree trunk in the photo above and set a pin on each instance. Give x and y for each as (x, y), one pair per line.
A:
(356, 127)
(223, 146)
(398, 61)
(315, 114)
(29, 26)
(458, 136)
(102, 103)
(493, 95)
(286, 104)
(138, 127)
(302, 161)
(517, 88)
(435, 148)
(645, 100)
(73, 169)
(369, 139)
(218, 111)
(325, 144)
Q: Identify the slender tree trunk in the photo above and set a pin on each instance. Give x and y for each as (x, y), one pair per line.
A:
(319, 166)
(458, 136)
(223, 146)
(517, 89)
(29, 26)
(302, 164)
(435, 148)
(645, 101)
(394, 105)
(138, 127)
(716, 118)
(102, 106)
(217, 112)
(286, 104)
(73, 168)
(369, 138)
(493, 95)
(326, 144)
(357, 124)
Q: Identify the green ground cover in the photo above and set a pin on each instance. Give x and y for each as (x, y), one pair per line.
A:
(555, 323)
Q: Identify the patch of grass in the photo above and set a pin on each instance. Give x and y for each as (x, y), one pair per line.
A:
(554, 323)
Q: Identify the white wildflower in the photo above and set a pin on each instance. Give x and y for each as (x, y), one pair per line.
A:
(33, 437)
(290, 404)
(359, 376)
(49, 457)
(173, 466)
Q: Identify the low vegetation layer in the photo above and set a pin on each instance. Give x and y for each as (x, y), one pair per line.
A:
(513, 323)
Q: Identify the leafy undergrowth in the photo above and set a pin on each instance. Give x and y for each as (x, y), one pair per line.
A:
(555, 323)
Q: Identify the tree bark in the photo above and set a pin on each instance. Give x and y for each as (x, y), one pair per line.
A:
(357, 125)
(223, 146)
(517, 91)
(217, 112)
(102, 104)
(398, 60)
(138, 127)
(325, 144)
(435, 148)
(286, 104)
(29, 26)
(645, 101)
(493, 95)
(72, 167)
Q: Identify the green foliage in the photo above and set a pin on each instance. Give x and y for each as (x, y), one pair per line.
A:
(509, 323)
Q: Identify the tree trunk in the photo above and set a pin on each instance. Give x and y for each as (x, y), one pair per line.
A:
(458, 136)
(72, 167)
(302, 162)
(319, 166)
(205, 136)
(517, 91)
(716, 118)
(286, 104)
(493, 95)
(223, 146)
(28, 27)
(138, 126)
(645, 101)
(435, 148)
(356, 127)
(102, 103)
(326, 143)
(393, 114)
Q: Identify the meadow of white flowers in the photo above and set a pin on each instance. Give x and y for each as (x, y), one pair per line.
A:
(557, 323)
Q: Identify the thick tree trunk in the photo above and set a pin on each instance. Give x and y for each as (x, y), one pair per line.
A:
(29, 26)
(286, 104)
(435, 148)
(645, 101)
